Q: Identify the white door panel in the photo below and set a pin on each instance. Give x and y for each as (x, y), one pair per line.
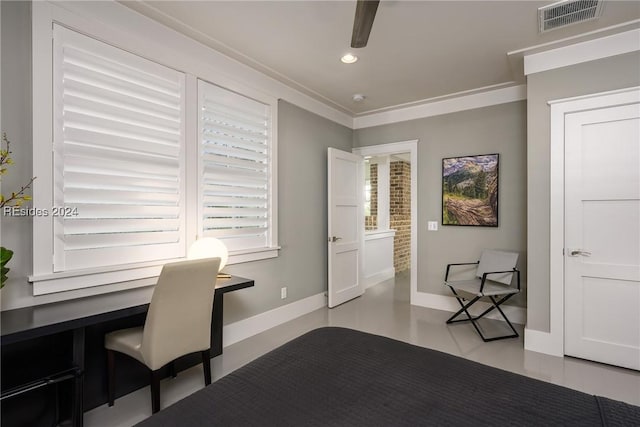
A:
(602, 219)
(600, 323)
(617, 236)
(345, 226)
(610, 160)
(348, 279)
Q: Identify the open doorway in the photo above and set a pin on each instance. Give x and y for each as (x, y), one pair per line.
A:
(390, 214)
(387, 218)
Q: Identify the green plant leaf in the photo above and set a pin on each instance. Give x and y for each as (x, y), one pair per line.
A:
(5, 255)
(4, 270)
(3, 279)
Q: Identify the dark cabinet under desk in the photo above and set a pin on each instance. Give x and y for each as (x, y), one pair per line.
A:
(41, 341)
(37, 381)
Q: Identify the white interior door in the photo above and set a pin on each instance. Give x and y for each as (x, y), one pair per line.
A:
(345, 225)
(602, 235)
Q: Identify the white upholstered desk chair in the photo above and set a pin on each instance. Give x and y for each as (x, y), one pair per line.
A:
(178, 323)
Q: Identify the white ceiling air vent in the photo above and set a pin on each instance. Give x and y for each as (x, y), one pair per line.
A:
(567, 12)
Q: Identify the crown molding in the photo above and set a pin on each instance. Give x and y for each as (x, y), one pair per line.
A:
(591, 50)
(438, 106)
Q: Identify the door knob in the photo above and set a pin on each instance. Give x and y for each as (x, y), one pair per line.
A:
(334, 239)
(579, 252)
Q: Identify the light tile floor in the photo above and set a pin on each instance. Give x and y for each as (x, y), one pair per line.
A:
(385, 310)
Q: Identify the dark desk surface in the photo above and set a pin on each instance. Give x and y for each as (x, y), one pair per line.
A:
(32, 322)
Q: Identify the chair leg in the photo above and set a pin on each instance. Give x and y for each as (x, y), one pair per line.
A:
(469, 317)
(206, 366)
(495, 305)
(155, 391)
(463, 309)
(111, 373)
(172, 369)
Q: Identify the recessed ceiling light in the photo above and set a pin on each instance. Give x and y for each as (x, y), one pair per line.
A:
(349, 58)
(358, 97)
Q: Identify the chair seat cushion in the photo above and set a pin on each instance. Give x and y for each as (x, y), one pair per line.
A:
(473, 287)
(127, 341)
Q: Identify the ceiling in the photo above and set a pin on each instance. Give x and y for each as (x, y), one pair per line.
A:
(418, 50)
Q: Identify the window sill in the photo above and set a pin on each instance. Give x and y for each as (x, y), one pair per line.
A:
(238, 257)
(144, 274)
(69, 281)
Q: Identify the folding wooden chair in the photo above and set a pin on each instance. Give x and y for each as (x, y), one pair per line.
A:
(493, 278)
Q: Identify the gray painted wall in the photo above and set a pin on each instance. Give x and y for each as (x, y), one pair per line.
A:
(302, 162)
(592, 77)
(303, 139)
(497, 129)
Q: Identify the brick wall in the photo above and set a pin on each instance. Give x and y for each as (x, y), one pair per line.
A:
(371, 221)
(400, 213)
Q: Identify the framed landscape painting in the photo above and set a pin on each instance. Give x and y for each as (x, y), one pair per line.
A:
(470, 190)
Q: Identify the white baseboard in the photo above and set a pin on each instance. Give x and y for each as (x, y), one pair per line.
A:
(449, 303)
(374, 279)
(543, 342)
(246, 328)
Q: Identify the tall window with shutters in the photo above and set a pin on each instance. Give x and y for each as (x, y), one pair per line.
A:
(115, 135)
(119, 156)
(236, 156)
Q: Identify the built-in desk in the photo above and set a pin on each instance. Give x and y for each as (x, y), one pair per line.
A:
(76, 315)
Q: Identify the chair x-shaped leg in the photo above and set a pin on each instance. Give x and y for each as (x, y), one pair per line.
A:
(496, 305)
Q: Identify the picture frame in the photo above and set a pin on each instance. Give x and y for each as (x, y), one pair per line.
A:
(470, 190)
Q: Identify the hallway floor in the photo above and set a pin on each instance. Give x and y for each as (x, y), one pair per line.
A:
(384, 309)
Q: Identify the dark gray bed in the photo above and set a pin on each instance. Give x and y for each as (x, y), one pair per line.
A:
(342, 377)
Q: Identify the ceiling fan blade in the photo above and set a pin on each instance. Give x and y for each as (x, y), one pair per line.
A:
(365, 13)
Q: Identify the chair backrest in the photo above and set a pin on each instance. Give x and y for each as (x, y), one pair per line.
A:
(492, 260)
(179, 317)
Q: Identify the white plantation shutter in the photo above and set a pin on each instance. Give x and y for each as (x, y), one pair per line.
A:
(118, 156)
(235, 135)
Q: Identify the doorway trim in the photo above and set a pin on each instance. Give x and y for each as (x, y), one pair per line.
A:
(411, 147)
(553, 342)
